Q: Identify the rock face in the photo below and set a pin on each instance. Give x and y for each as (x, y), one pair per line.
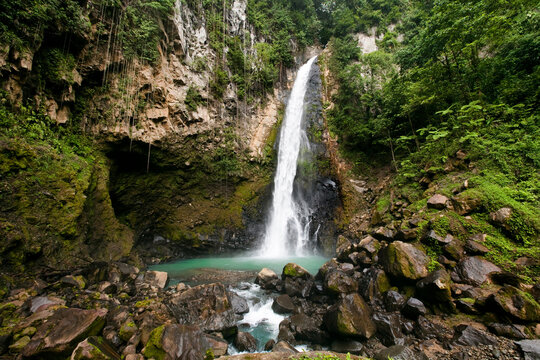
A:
(475, 270)
(404, 261)
(61, 333)
(351, 316)
(175, 342)
(207, 306)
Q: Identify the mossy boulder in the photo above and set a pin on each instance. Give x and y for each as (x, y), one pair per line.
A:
(404, 261)
(351, 317)
(172, 342)
(293, 270)
(516, 304)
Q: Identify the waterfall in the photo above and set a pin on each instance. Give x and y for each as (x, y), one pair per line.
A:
(287, 230)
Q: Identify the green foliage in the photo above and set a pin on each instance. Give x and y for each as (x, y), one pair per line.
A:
(193, 98)
(56, 66)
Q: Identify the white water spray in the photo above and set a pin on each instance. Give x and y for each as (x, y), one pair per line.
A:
(287, 231)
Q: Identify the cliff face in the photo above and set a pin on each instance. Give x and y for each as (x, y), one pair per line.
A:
(183, 131)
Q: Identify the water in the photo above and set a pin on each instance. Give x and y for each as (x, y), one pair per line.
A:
(287, 231)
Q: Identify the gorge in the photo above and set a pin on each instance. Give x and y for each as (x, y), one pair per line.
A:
(251, 178)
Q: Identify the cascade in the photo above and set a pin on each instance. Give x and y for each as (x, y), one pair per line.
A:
(287, 230)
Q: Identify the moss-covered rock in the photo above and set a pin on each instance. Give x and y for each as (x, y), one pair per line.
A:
(516, 303)
(295, 271)
(404, 261)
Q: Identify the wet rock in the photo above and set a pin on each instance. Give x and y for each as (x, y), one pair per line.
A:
(176, 342)
(468, 335)
(404, 261)
(425, 329)
(269, 345)
(435, 287)
(285, 331)
(336, 282)
(73, 281)
(295, 271)
(156, 278)
(350, 316)
(238, 303)
(306, 328)
(501, 217)
(413, 308)
(519, 305)
(267, 279)
(530, 349)
(394, 301)
(475, 270)
(207, 306)
(347, 346)
(475, 248)
(58, 336)
(389, 328)
(245, 342)
(399, 352)
(373, 283)
(437, 201)
(94, 348)
(283, 304)
(284, 347)
(511, 331)
(454, 250)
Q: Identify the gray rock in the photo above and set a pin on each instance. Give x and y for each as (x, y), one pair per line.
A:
(501, 217)
(399, 352)
(284, 347)
(337, 282)
(404, 261)
(414, 308)
(347, 346)
(238, 303)
(177, 342)
(435, 287)
(156, 278)
(267, 279)
(350, 316)
(530, 349)
(468, 335)
(389, 328)
(475, 270)
(394, 301)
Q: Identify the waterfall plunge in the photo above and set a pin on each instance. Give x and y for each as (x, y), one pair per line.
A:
(287, 231)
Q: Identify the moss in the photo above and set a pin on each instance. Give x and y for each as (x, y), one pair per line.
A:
(468, 300)
(154, 346)
(143, 303)
(293, 270)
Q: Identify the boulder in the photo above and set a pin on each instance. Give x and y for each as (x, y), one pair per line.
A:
(373, 283)
(515, 303)
(156, 278)
(394, 301)
(454, 250)
(94, 348)
(437, 201)
(285, 331)
(475, 270)
(293, 270)
(530, 349)
(404, 261)
(475, 248)
(501, 217)
(350, 316)
(336, 282)
(347, 346)
(269, 345)
(175, 342)
(207, 306)
(468, 335)
(433, 237)
(283, 304)
(238, 303)
(61, 333)
(399, 352)
(284, 347)
(245, 342)
(267, 279)
(414, 308)
(435, 287)
(511, 331)
(505, 278)
(389, 328)
(306, 328)
(383, 233)
(327, 267)
(218, 345)
(466, 203)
